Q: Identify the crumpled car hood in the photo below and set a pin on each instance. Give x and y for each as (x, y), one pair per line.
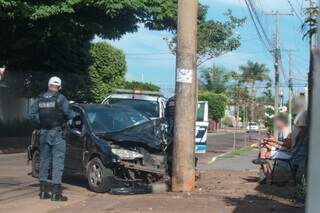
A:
(148, 133)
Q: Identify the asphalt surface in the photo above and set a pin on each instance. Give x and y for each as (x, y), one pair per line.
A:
(18, 190)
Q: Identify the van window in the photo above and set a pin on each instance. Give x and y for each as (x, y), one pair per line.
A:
(200, 112)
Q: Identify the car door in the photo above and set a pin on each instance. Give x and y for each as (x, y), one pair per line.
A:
(75, 136)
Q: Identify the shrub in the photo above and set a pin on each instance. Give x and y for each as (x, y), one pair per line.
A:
(136, 85)
(217, 103)
(227, 121)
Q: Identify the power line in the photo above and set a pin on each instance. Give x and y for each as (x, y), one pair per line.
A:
(295, 11)
(257, 28)
(260, 23)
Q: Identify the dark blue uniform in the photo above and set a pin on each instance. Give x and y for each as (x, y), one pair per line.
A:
(51, 111)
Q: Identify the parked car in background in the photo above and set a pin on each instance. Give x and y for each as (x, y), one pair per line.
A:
(252, 127)
(151, 103)
(112, 146)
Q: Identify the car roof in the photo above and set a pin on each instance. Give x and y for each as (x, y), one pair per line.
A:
(136, 97)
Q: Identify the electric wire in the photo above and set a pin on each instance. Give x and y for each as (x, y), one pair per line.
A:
(268, 49)
(295, 11)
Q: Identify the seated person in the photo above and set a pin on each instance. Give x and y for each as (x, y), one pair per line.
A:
(271, 147)
(286, 143)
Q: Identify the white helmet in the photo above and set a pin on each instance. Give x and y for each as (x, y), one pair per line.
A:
(55, 81)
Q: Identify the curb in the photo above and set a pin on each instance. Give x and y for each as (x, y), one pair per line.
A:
(226, 153)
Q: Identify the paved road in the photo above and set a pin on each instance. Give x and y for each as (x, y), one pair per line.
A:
(18, 190)
(218, 144)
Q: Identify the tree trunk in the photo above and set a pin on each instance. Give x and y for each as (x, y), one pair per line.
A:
(252, 117)
(237, 117)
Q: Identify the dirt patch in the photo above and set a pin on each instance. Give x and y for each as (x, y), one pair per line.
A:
(216, 192)
(241, 191)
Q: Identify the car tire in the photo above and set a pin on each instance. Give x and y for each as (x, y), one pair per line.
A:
(100, 178)
(35, 165)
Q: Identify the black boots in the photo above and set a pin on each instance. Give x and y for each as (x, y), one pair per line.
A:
(44, 192)
(57, 193)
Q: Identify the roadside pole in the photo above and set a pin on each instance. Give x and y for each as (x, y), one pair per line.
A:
(313, 195)
(277, 61)
(277, 66)
(234, 139)
(313, 189)
(183, 168)
(290, 91)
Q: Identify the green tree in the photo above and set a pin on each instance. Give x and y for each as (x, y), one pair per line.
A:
(238, 95)
(217, 104)
(214, 38)
(106, 72)
(137, 85)
(254, 72)
(55, 35)
(214, 79)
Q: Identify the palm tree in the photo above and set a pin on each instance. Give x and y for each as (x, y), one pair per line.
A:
(309, 26)
(254, 72)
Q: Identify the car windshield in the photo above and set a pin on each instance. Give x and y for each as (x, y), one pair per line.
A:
(150, 108)
(253, 124)
(112, 119)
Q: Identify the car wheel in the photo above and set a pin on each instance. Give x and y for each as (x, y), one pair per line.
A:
(35, 164)
(100, 178)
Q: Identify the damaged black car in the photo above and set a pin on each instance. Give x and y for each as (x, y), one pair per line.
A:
(114, 147)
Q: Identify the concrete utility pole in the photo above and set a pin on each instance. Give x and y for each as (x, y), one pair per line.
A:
(183, 168)
(313, 195)
(277, 64)
(290, 89)
(277, 59)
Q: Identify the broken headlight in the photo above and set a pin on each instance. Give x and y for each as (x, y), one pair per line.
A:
(125, 154)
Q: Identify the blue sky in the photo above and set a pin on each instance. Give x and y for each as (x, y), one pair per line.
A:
(148, 57)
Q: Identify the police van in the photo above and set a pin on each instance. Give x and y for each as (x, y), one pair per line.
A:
(202, 123)
(151, 103)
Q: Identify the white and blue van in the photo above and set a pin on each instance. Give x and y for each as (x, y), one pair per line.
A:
(202, 125)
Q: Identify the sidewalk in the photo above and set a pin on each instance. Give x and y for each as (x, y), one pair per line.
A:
(237, 161)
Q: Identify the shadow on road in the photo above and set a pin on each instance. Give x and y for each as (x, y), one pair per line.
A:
(255, 203)
(76, 181)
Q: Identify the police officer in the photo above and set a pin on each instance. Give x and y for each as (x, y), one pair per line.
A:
(51, 109)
